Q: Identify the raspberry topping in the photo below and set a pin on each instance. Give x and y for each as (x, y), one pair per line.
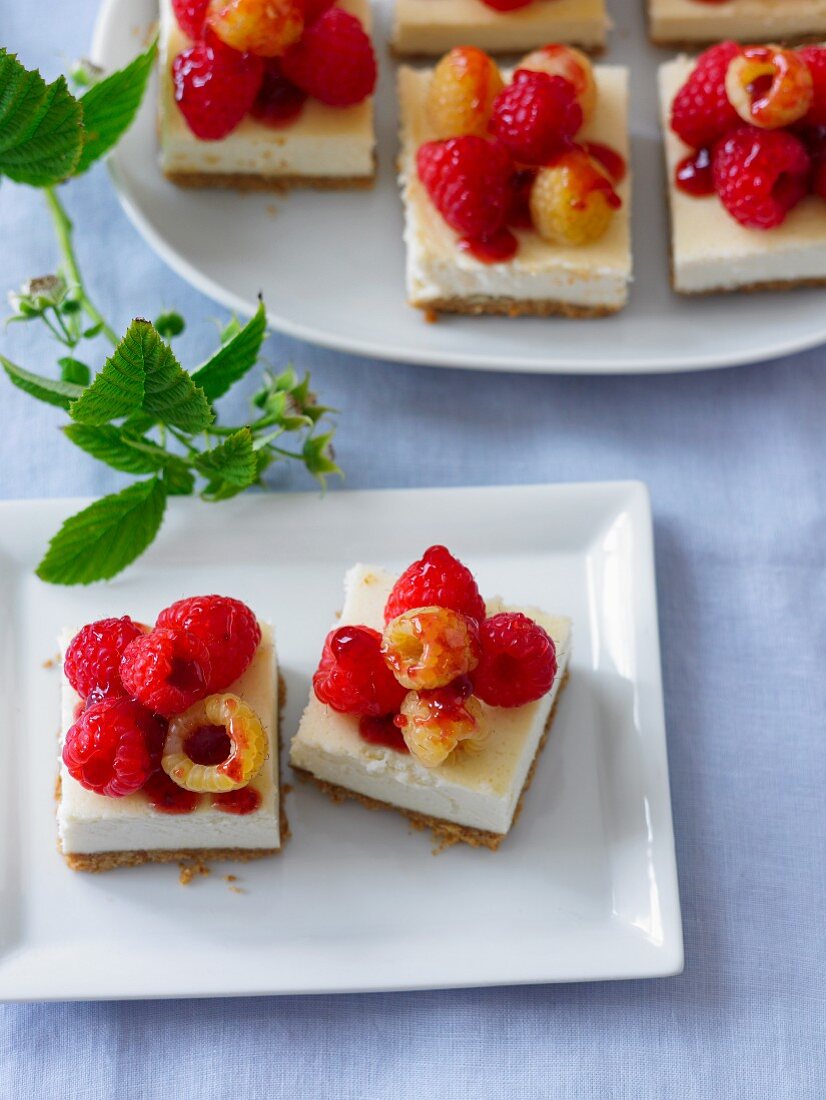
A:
(434, 723)
(262, 27)
(815, 58)
(279, 102)
(468, 179)
(436, 579)
(166, 670)
(228, 629)
(760, 175)
(701, 112)
(461, 92)
(215, 87)
(507, 5)
(572, 199)
(92, 663)
(313, 9)
(352, 677)
(114, 747)
(190, 15)
(536, 116)
(167, 797)
(518, 662)
(430, 646)
(334, 61)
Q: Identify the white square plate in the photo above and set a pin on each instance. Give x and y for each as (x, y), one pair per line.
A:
(584, 888)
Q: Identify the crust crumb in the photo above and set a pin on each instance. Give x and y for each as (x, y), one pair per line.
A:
(431, 316)
(230, 878)
(287, 788)
(189, 871)
(51, 662)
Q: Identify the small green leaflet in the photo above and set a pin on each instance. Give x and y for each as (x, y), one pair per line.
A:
(107, 536)
(110, 106)
(230, 467)
(234, 358)
(143, 376)
(41, 131)
(130, 454)
(49, 390)
(73, 370)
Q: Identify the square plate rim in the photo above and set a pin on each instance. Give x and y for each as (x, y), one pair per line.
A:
(643, 959)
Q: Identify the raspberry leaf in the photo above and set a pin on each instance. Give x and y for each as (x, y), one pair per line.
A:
(230, 467)
(143, 376)
(50, 390)
(178, 478)
(107, 536)
(318, 456)
(41, 126)
(131, 454)
(233, 359)
(110, 106)
(73, 370)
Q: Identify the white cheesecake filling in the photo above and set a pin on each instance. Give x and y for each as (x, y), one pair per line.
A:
(479, 790)
(324, 141)
(712, 251)
(683, 21)
(89, 823)
(431, 27)
(594, 275)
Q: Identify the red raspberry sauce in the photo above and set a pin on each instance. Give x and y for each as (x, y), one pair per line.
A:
(382, 731)
(497, 249)
(693, 174)
(167, 797)
(246, 800)
(208, 745)
(612, 161)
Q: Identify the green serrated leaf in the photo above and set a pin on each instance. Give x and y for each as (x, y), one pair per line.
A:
(53, 392)
(232, 461)
(73, 370)
(318, 456)
(143, 376)
(41, 126)
(234, 358)
(107, 536)
(110, 106)
(109, 444)
(178, 479)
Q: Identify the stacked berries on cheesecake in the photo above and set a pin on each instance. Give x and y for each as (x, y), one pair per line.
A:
(432, 702)
(685, 22)
(515, 185)
(430, 27)
(267, 94)
(170, 746)
(745, 141)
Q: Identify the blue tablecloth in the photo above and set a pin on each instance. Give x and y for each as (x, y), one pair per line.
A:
(735, 461)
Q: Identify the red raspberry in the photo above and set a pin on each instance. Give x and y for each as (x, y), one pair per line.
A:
(334, 61)
(279, 102)
(437, 579)
(518, 661)
(760, 175)
(92, 663)
(352, 676)
(536, 116)
(815, 141)
(190, 15)
(815, 58)
(313, 9)
(114, 747)
(468, 179)
(228, 629)
(507, 5)
(166, 670)
(215, 87)
(701, 112)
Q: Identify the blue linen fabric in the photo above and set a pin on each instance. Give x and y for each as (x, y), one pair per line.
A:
(735, 464)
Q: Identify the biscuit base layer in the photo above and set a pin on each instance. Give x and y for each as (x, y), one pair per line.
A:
(693, 45)
(516, 307)
(108, 861)
(243, 181)
(752, 288)
(593, 51)
(446, 832)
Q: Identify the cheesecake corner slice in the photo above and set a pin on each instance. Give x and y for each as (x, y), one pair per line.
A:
(694, 23)
(472, 798)
(428, 28)
(100, 833)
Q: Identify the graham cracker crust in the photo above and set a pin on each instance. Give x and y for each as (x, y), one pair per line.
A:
(447, 833)
(242, 181)
(504, 56)
(108, 861)
(751, 288)
(697, 45)
(515, 307)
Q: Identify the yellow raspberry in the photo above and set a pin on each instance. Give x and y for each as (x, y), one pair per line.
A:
(461, 93)
(436, 723)
(429, 647)
(247, 745)
(263, 27)
(572, 65)
(572, 201)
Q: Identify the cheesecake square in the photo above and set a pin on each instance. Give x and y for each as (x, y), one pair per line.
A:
(542, 279)
(324, 147)
(696, 23)
(473, 797)
(710, 251)
(429, 28)
(100, 833)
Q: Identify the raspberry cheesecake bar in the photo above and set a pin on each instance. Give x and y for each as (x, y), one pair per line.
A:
(698, 22)
(431, 27)
(431, 702)
(170, 749)
(515, 188)
(745, 142)
(267, 94)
